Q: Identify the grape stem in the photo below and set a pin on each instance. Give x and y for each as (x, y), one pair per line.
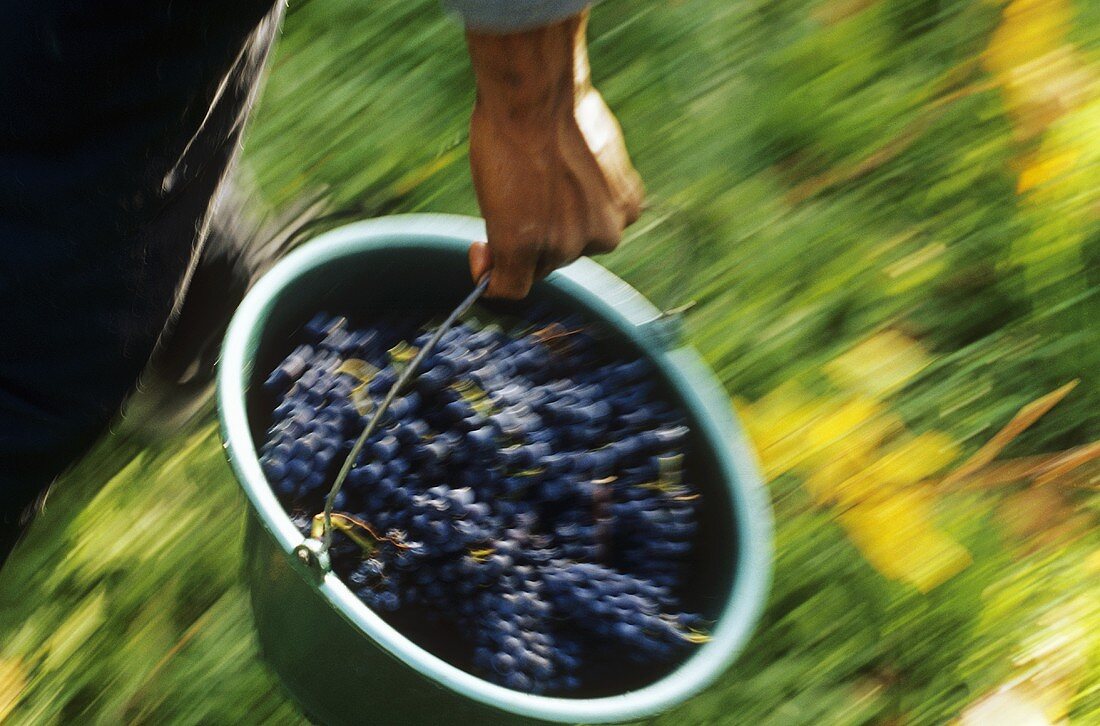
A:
(338, 521)
(347, 524)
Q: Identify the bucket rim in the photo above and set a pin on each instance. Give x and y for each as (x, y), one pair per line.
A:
(608, 295)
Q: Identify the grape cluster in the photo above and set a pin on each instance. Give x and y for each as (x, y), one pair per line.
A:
(526, 488)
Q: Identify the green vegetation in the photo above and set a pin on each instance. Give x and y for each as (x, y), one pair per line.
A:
(887, 214)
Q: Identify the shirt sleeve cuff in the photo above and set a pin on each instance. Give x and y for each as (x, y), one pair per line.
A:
(509, 16)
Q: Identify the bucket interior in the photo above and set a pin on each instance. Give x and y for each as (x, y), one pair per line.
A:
(429, 281)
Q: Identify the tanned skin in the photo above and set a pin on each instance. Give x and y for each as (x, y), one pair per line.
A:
(550, 167)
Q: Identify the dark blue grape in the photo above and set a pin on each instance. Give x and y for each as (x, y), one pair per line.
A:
(531, 488)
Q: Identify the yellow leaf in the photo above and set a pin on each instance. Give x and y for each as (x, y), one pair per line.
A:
(1029, 30)
(897, 536)
(879, 365)
(775, 424)
(906, 464)
(1032, 60)
(835, 481)
(1059, 177)
(360, 370)
(1045, 167)
(918, 458)
(855, 427)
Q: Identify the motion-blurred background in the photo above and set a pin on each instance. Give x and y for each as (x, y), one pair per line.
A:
(887, 212)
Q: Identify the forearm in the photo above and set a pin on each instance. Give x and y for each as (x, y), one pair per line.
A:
(534, 77)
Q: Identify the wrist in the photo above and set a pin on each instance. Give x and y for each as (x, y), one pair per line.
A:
(533, 78)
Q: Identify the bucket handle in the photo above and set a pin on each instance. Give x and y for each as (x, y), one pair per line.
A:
(314, 551)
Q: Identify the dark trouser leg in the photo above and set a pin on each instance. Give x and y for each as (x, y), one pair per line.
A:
(117, 136)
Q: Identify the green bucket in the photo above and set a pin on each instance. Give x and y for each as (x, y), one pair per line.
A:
(339, 659)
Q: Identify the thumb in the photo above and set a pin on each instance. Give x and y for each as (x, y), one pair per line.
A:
(481, 260)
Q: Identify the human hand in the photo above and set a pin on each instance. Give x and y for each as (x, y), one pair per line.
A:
(552, 174)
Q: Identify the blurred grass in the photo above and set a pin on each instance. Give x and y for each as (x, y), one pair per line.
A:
(919, 172)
